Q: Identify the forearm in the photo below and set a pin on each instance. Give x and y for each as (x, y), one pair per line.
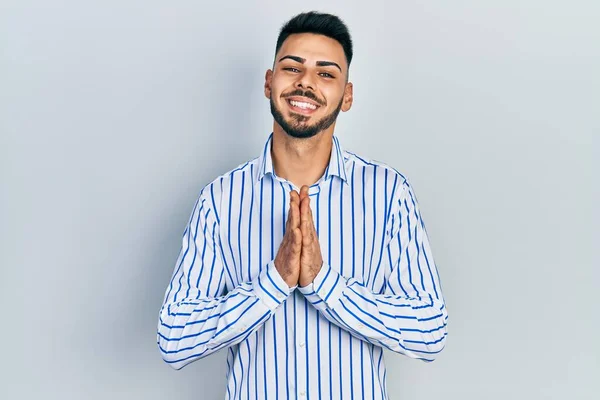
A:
(412, 326)
(193, 328)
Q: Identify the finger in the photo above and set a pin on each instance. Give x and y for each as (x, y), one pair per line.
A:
(301, 211)
(308, 207)
(304, 208)
(308, 220)
(295, 215)
(289, 222)
(304, 232)
(294, 196)
(312, 231)
(297, 237)
(306, 223)
(295, 199)
(303, 191)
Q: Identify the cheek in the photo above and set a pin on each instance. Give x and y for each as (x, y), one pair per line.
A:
(279, 85)
(334, 96)
(276, 93)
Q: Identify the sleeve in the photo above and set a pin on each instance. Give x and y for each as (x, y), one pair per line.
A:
(410, 317)
(197, 318)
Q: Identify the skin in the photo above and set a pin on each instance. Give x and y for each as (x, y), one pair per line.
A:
(317, 65)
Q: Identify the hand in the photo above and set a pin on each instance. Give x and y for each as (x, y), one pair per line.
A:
(311, 260)
(287, 260)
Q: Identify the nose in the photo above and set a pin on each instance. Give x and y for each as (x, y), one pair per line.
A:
(305, 81)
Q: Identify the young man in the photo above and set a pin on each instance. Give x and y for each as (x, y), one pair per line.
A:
(309, 260)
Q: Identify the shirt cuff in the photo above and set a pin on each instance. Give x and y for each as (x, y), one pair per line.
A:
(326, 289)
(270, 287)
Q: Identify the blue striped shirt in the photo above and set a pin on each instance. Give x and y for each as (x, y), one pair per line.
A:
(378, 288)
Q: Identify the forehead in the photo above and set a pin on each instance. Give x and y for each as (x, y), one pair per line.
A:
(313, 48)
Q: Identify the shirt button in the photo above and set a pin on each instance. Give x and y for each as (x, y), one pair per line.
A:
(301, 344)
(302, 394)
(360, 327)
(280, 296)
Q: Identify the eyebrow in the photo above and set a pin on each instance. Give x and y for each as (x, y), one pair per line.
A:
(327, 64)
(319, 63)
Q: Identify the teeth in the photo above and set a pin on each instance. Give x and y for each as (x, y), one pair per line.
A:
(301, 104)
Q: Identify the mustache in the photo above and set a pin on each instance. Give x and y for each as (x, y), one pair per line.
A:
(307, 94)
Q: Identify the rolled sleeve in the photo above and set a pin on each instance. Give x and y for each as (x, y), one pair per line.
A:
(326, 289)
(271, 288)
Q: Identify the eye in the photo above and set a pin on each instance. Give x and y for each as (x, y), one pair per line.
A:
(326, 75)
(291, 69)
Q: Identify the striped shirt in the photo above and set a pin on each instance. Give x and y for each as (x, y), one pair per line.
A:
(378, 287)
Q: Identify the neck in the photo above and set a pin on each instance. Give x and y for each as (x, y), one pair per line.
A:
(301, 161)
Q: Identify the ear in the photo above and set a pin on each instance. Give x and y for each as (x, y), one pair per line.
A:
(348, 97)
(268, 78)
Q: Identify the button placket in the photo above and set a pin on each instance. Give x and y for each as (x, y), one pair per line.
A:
(300, 337)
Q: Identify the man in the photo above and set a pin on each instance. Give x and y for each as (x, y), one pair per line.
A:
(309, 260)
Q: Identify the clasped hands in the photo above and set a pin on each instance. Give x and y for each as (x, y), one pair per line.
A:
(299, 259)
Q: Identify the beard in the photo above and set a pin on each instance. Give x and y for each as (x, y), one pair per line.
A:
(296, 127)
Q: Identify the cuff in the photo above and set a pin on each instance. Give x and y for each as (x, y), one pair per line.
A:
(270, 287)
(326, 289)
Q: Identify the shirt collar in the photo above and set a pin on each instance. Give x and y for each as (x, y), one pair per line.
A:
(336, 167)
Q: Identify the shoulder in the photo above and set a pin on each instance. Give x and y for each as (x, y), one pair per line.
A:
(220, 187)
(376, 173)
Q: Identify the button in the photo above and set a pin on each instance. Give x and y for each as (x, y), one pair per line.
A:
(301, 344)
(280, 296)
(302, 393)
(361, 327)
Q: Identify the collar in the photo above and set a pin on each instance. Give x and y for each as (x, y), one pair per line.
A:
(336, 167)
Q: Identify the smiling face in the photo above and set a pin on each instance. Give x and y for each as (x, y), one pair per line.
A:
(308, 85)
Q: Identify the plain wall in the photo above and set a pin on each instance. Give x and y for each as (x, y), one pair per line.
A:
(114, 114)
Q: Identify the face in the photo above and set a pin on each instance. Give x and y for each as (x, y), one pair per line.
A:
(308, 85)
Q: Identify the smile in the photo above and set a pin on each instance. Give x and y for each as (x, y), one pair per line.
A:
(302, 107)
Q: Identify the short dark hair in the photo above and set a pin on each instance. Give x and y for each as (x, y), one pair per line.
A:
(321, 24)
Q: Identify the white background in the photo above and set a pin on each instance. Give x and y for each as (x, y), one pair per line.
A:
(114, 114)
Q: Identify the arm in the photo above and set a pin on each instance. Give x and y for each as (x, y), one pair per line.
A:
(197, 318)
(410, 316)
